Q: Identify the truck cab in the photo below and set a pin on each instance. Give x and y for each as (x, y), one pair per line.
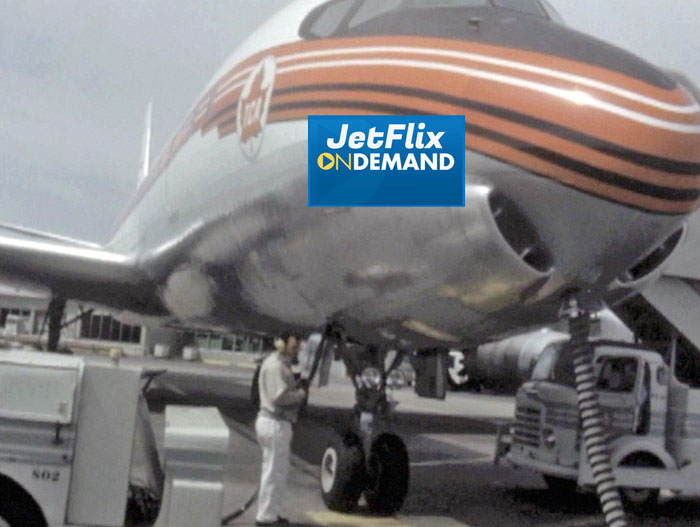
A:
(645, 410)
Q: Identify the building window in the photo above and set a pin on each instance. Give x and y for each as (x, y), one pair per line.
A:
(104, 327)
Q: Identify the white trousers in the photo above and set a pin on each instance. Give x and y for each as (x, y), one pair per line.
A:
(275, 439)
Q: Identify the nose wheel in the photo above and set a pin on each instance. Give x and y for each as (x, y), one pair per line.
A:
(388, 475)
(342, 473)
(384, 478)
(368, 459)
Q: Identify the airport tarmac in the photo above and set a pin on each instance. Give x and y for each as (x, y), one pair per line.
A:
(453, 479)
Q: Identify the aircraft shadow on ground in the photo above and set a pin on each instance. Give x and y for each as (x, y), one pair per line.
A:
(466, 492)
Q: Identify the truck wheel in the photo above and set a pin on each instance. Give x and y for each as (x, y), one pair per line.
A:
(342, 473)
(640, 500)
(17, 507)
(560, 485)
(388, 475)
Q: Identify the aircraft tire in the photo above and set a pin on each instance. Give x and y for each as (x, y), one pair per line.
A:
(342, 473)
(388, 475)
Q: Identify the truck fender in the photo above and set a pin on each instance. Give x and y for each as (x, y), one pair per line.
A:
(623, 447)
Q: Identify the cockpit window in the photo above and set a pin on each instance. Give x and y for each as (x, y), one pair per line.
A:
(444, 3)
(529, 7)
(334, 17)
(372, 9)
(552, 13)
(326, 20)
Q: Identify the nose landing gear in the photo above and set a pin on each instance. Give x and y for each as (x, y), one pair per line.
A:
(367, 459)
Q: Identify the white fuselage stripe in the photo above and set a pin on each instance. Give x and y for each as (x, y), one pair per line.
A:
(575, 96)
(485, 59)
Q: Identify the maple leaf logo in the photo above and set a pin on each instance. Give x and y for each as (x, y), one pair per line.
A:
(252, 108)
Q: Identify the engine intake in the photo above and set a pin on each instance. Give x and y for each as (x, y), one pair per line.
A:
(653, 261)
(519, 233)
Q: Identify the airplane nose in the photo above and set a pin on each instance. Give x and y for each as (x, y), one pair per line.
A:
(618, 134)
(536, 94)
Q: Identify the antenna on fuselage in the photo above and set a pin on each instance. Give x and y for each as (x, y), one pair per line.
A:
(145, 161)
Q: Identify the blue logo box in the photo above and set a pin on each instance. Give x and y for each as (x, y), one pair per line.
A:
(386, 161)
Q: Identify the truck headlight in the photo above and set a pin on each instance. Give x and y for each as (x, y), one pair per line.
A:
(371, 377)
(549, 438)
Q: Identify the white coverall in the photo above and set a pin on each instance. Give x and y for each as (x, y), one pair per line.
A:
(279, 405)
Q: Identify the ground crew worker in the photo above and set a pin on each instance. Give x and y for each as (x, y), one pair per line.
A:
(280, 399)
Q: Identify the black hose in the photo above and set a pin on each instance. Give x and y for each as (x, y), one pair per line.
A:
(240, 512)
(593, 429)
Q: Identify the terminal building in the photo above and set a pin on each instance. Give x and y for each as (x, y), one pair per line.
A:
(23, 317)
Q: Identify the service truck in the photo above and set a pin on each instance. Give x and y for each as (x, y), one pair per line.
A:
(77, 448)
(651, 410)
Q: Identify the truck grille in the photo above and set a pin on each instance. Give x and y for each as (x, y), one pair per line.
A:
(527, 426)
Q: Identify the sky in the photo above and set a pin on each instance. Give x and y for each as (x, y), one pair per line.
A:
(76, 77)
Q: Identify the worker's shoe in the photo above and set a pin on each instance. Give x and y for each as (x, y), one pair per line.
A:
(279, 522)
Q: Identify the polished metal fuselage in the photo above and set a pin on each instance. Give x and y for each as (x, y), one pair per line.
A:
(230, 242)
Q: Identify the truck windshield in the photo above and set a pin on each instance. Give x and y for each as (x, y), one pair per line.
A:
(545, 365)
(555, 366)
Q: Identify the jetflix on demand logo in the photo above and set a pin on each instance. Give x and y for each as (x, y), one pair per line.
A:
(386, 161)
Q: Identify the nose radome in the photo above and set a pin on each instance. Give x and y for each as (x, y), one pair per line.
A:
(615, 127)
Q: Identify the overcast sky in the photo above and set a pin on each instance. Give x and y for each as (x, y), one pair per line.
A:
(76, 75)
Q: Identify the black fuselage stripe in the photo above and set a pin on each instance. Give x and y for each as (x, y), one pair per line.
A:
(605, 147)
(599, 174)
(590, 171)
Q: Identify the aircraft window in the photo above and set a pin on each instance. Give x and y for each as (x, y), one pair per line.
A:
(529, 7)
(617, 374)
(444, 3)
(373, 8)
(326, 20)
(552, 13)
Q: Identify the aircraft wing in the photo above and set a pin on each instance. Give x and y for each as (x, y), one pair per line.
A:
(75, 270)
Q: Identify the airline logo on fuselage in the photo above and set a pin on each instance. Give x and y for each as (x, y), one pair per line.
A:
(254, 106)
(386, 161)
